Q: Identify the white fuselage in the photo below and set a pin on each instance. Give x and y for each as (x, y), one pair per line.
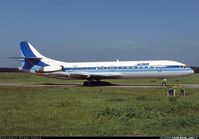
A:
(121, 69)
(34, 62)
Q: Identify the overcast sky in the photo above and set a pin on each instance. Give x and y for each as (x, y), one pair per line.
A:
(101, 30)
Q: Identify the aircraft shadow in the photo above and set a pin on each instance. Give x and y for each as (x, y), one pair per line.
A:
(104, 84)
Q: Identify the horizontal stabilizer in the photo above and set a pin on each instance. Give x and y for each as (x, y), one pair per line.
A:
(28, 58)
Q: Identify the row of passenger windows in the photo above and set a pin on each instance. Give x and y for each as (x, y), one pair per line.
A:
(123, 67)
(129, 67)
(113, 68)
(106, 68)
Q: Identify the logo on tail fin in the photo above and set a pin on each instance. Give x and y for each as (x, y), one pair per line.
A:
(28, 50)
(32, 58)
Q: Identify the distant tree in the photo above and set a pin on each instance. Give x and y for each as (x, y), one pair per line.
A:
(196, 69)
(9, 70)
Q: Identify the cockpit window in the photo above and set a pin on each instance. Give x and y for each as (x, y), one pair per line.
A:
(184, 66)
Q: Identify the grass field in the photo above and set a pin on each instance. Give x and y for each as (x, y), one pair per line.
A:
(96, 111)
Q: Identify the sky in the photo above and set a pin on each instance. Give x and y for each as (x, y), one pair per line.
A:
(101, 30)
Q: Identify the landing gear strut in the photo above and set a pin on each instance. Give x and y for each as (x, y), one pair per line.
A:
(164, 82)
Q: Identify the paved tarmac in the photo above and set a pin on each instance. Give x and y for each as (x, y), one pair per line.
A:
(117, 85)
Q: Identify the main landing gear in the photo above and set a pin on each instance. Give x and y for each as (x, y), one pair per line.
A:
(96, 83)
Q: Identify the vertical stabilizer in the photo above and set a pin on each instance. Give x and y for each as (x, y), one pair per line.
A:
(32, 59)
(28, 50)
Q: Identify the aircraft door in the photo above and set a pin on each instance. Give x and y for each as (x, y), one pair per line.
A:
(159, 68)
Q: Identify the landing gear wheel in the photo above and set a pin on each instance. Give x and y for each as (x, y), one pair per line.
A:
(164, 82)
(86, 83)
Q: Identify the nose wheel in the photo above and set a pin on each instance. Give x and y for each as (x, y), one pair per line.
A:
(164, 82)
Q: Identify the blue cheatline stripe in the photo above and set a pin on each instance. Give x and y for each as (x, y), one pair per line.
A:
(173, 67)
(129, 68)
(138, 70)
(25, 48)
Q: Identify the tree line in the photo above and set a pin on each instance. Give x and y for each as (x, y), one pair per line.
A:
(9, 70)
(196, 69)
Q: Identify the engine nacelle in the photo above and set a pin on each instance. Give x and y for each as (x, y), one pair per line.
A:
(48, 69)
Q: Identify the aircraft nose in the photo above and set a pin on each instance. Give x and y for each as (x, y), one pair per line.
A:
(191, 71)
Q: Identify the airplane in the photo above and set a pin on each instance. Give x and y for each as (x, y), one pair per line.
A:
(94, 72)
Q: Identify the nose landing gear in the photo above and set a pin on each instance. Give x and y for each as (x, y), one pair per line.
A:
(164, 82)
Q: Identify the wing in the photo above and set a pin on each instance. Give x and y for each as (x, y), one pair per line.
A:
(95, 76)
(81, 75)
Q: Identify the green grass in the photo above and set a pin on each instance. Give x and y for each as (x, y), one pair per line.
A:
(95, 111)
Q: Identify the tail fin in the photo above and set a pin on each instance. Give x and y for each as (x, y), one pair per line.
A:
(32, 59)
(27, 50)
